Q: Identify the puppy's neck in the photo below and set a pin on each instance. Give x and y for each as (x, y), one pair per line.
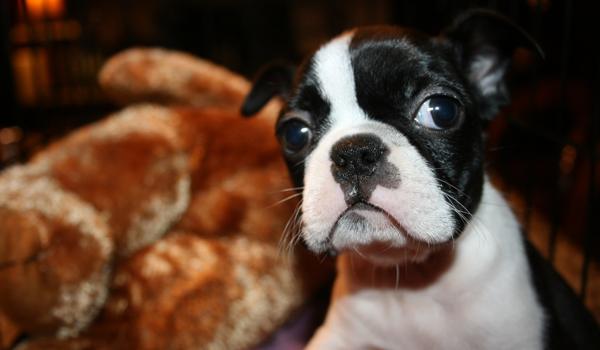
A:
(357, 273)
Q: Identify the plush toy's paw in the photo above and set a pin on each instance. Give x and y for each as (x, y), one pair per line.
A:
(170, 77)
(187, 292)
(54, 255)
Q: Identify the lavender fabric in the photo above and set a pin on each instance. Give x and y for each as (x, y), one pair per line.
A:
(294, 335)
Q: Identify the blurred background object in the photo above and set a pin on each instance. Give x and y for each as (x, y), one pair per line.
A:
(542, 151)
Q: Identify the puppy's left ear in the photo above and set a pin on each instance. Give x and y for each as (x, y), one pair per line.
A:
(272, 80)
(486, 42)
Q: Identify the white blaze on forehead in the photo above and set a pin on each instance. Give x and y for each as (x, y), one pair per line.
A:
(333, 69)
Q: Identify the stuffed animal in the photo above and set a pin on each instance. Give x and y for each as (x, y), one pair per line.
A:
(158, 227)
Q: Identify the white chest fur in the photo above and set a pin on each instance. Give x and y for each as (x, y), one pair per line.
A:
(478, 295)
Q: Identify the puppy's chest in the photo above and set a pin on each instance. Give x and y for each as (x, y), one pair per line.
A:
(464, 309)
(400, 319)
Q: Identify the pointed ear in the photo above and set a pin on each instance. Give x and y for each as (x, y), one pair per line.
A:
(272, 80)
(486, 42)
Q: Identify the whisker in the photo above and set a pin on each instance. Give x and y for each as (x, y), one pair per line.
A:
(472, 220)
(359, 253)
(289, 189)
(287, 236)
(290, 197)
(295, 230)
(299, 163)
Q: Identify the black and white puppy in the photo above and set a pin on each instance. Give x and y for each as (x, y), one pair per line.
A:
(382, 128)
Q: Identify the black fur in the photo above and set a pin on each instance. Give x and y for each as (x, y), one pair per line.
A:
(306, 97)
(395, 71)
(274, 79)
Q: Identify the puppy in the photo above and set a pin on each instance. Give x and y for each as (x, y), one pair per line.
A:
(382, 132)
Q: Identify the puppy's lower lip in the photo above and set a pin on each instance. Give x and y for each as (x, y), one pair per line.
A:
(364, 219)
(362, 206)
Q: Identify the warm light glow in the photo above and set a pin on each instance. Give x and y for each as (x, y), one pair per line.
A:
(28, 33)
(32, 79)
(39, 9)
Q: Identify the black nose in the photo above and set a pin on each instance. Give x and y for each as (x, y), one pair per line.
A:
(357, 155)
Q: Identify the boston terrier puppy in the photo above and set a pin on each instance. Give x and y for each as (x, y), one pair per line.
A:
(382, 132)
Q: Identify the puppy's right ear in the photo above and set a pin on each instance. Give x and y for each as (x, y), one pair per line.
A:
(272, 80)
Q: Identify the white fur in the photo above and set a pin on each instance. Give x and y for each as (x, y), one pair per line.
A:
(333, 69)
(483, 301)
(486, 72)
(418, 204)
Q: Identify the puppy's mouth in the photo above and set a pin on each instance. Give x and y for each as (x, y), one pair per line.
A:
(370, 231)
(360, 216)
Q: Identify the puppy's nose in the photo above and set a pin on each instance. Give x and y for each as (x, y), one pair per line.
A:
(356, 155)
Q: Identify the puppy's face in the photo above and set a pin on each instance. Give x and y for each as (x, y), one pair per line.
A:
(382, 128)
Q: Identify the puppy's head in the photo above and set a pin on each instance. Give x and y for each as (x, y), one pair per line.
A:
(383, 129)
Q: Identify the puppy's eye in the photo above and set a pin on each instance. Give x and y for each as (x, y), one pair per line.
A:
(438, 112)
(295, 135)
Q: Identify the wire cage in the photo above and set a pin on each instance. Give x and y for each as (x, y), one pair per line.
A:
(542, 151)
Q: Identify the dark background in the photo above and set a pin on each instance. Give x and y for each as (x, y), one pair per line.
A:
(542, 150)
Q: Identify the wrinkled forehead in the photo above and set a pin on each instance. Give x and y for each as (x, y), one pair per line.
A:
(381, 65)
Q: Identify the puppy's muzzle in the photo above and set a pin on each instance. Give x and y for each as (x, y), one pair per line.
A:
(358, 163)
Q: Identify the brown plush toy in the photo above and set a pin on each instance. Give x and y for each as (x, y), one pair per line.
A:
(82, 261)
